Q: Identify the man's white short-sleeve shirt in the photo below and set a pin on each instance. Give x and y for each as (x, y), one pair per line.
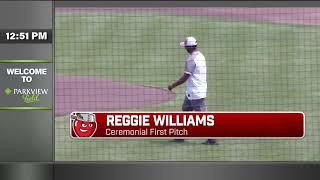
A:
(196, 85)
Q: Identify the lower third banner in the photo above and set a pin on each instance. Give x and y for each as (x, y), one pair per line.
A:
(187, 125)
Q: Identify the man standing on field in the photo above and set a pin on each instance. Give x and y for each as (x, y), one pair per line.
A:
(195, 76)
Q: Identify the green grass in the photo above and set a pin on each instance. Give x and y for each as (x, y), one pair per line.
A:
(251, 67)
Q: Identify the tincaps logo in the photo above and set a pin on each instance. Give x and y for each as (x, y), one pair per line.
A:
(83, 124)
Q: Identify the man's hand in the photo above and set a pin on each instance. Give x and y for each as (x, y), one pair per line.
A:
(170, 87)
(180, 81)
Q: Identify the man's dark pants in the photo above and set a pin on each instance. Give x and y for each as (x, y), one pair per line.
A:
(195, 105)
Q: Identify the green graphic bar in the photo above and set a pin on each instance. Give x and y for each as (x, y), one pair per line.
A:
(24, 108)
(24, 61)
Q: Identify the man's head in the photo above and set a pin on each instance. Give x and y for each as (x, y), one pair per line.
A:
(190, 44)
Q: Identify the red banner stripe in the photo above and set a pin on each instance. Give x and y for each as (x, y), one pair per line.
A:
(190, 125)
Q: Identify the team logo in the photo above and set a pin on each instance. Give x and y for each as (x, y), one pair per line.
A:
(83, 124)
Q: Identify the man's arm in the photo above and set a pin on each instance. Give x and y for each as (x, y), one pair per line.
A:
(180, 81)
(188, 70)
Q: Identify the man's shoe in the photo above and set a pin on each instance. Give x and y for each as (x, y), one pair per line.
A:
(210, 142)
(178, 140)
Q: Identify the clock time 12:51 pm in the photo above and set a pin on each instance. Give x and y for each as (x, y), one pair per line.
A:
(26, 36)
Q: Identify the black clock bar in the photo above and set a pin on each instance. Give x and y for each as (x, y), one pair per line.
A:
(25, 36)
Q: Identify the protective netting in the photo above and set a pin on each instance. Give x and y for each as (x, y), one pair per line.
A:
(120, 59)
